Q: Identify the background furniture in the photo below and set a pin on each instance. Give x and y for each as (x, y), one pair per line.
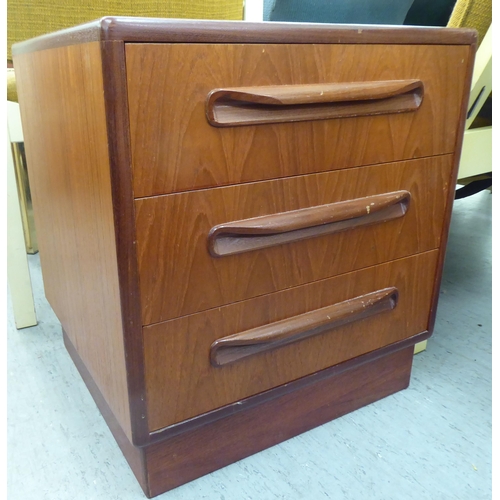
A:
(338, 11)
(223, 273)
(28, 19)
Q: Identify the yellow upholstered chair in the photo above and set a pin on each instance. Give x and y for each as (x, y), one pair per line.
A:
(472, 14)
(30, 18)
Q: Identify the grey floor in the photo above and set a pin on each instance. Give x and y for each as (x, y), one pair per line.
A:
(431, 441)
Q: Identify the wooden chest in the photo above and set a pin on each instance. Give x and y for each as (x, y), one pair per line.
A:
(241, 226)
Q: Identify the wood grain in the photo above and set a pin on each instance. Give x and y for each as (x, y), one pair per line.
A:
(175, 149)
(291, 103)
(181, 382)
(64, 126)
(172, 234)
(188, 456)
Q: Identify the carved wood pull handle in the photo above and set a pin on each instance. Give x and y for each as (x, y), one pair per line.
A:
(264, 338)
(270, 230)
(290, 103)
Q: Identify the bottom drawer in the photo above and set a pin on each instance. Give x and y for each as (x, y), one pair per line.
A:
(207, 360)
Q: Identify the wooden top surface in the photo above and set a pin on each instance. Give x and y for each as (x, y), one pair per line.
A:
(137, 30)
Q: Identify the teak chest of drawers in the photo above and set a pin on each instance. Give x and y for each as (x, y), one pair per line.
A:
(241, 226)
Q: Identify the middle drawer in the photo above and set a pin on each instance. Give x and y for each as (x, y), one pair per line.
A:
(186, 241)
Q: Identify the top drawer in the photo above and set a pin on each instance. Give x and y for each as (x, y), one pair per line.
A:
(174, 148)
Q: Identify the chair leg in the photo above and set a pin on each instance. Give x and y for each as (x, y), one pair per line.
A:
(18, 274)
(421, 346)
(473, 188)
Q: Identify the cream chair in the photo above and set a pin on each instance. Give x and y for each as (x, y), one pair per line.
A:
(476, 150)
(476, 156)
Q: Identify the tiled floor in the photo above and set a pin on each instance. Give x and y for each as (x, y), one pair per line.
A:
(431, 441)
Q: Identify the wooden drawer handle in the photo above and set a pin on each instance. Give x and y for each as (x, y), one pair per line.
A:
(290, 103)
(270, 230)
(264, 338)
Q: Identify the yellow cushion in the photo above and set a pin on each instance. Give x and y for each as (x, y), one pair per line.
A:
(11, 85)
(29, 18)
(472, 14)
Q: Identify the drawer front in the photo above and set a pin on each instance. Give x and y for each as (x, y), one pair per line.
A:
(174, 148)
(191, 367)
(186, 241)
